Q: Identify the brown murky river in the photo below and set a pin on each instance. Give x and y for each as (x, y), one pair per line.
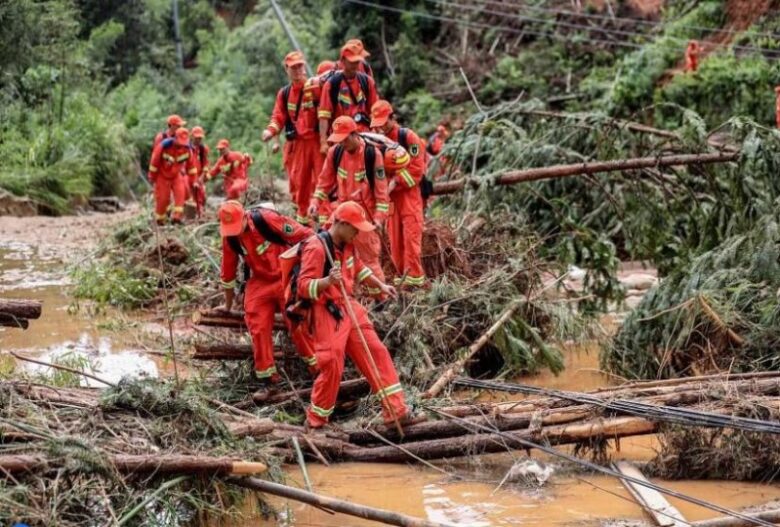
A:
(33, 267)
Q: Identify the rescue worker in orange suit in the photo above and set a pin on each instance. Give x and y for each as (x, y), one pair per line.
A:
(232, 165)
(174, 122)
(346, 173)
(405, 225)
(325, 70)
(334, 334)
(172, 162)
(196, 189)
(347, 92)
(692, 56)
(259, 236)
(777, 106)
(356, 45)
(295, 114)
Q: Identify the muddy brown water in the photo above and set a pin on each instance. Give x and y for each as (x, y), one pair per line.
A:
(32, 267)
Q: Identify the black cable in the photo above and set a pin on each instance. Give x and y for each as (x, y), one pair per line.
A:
(604, 470)
(683, 416)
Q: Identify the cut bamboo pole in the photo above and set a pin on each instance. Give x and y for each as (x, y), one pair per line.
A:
(344, 507)
(560, 171)
(347, 389)
(225, 319)
(229, 351)
(456, 368)
(653, 502)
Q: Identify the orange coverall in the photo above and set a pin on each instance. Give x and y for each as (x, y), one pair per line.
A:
(264, 294)
(335, 339)
(350, 182)
(167, 168)
(345, 105)
(301, 156)
(232, 166)
(196, 191)
(405, 227)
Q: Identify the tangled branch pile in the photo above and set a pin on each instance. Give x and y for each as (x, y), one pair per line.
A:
(721, 313)
(82, 455)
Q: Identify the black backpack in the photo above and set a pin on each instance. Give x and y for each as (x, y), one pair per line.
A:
(335, 87)
(369, 160)
(294, 303)
(426, 185)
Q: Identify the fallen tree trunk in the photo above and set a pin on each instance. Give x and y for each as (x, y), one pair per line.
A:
(559, 171)
(225, 319)
(326, 502)
(10, 321)
(347, 389)
(772, 516)
(488, 443)
(30, 309)
(157, 464)
(226, 351)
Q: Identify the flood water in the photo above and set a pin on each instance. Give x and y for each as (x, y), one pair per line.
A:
(37, 271)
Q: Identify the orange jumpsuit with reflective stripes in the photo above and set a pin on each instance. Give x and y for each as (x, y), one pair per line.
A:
(264, 295)
(301, 156)
(171, 163)
(345, 105)
(405, 227)
(692, 56)
(350, 182)
(196, 191)
(232, 166)
(334, 339)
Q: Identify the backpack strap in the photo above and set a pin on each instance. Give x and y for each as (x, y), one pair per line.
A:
(335, 87)
(263, 228)
(236, 246)
(403, 140)
(369, 160)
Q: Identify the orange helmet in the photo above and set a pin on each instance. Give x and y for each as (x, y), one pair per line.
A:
(396, 157)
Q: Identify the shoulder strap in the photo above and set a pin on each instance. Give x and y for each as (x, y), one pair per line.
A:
(429, 146)
(363, 81)
(326, 240)
(335, 86)
(263, 228)
(403, 140)
(369, 159)
(235, 245)
(337, 155)
(286, 99)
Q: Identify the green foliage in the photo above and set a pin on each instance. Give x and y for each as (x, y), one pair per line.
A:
(723, 86)
(680, 327)
(116, 286)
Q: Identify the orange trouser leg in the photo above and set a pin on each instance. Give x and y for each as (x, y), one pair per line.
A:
(162, 197)
(412, 231)
(260, 304)
(236, 188)
(288, 160)
(179, 187)
(384, 378)
(395, 233)
(369, 247)
(330, 342)
(307, 171)
(200, 198)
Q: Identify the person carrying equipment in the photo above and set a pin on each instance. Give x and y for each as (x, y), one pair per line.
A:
(258, 236)
(329, 269)
(295, 113)
(348, 92)
(354, 171)
(406, 220)
(172, 161)
(233, 167)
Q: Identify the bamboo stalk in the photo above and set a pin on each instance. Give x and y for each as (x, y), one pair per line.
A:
(342, 506)
(772, 516)
(559, 171)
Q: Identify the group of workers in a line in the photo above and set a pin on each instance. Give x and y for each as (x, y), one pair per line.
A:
(179, 168)
(352, 171)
